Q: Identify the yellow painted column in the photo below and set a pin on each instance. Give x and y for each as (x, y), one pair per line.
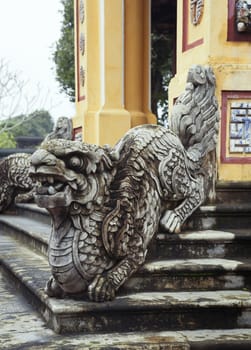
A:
(99, 52)
(137, 61)
(87, 68)
(151, 118)
(112, 68)
(113, 119)
(93, 83)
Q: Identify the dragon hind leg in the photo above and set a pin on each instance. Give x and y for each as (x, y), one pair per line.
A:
(172, 220)
(104, 286)
(52, 288)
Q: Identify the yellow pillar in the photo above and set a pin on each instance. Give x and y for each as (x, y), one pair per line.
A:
(113, 119)
(87, 67)
(151, 118)
(137, 61)
(100, 97)
(113, 69)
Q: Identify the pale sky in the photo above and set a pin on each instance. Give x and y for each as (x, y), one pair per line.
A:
(28, 32)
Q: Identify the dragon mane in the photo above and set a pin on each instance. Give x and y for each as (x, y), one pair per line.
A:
(195, 117)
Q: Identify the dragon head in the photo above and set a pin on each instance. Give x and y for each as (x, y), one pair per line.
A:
(70, 171)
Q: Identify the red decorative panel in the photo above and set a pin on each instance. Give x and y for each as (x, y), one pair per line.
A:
(77, 134)
(232, 33)
(236, 127)
(186, 45)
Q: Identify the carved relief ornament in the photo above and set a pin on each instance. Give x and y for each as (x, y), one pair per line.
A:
(82, 11)
(196, 7)
(82, 43)
(82, 76)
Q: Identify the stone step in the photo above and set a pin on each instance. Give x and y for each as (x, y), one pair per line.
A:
(33, 233)
(233, 192)
(218, 339)
(225, 216)
(191, 274)
(171, 274)
(32, 211)
(21, 327)
(187, 245)
(220, 216)
(148, 311)
(232, 243)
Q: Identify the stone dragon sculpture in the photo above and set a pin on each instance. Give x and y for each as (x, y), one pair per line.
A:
(15, 183)
(14, 179)
(106, 203)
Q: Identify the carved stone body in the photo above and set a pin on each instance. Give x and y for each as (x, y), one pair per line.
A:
(62, 130)
(107, 203)
(14, 179)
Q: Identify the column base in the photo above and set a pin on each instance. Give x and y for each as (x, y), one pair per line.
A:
(137, 118)
(109, 126)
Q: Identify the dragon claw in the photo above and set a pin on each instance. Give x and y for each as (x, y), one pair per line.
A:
(101, 289)
(52, 288)
(171, 222)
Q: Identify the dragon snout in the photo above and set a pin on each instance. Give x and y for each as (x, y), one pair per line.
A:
(42, 157)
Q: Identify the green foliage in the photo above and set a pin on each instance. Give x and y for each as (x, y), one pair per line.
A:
(7, 140)
(63, 55)
(38, 123)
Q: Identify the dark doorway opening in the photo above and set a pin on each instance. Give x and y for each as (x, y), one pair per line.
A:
(163, 54)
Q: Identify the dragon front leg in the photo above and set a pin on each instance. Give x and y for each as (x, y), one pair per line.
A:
(172, 220)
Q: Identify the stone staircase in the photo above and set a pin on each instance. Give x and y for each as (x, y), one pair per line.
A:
(195, 285)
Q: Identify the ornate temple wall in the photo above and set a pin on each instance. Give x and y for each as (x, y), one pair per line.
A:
(113, 71)
(207, 34)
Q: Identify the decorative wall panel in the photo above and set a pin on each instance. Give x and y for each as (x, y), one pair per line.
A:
(236, 127)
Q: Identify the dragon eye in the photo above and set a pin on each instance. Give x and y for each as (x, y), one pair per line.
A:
(75, 162)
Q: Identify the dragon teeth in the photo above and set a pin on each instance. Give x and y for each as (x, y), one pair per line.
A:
(59, 186)
(51, 190)
(50, 180)
(44, 179)
(41, 178)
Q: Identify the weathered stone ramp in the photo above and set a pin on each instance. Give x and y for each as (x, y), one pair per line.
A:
(193, 292)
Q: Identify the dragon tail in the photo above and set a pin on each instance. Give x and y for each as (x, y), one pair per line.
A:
(195, 117)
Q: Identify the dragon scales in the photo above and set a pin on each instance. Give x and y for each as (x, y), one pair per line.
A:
(107, 203)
